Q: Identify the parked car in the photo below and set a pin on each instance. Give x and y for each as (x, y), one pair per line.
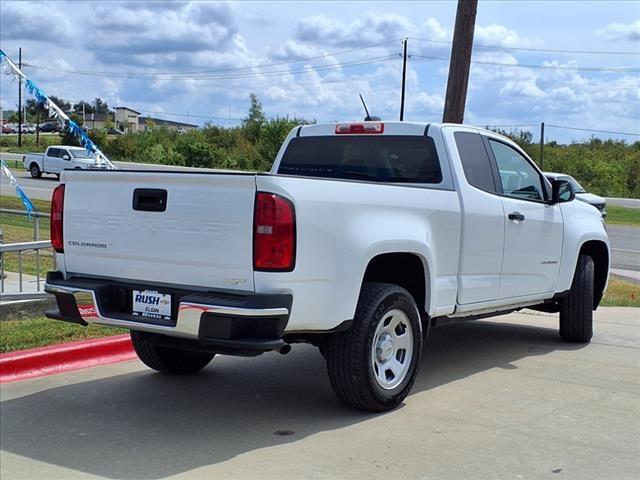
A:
(6, 128)
(581, 194)
(56, 159)
(363, 237)
(49, 128)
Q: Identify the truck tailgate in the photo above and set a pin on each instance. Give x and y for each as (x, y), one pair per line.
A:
(203, 237)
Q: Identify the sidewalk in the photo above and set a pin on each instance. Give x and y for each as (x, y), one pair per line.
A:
(29, 283)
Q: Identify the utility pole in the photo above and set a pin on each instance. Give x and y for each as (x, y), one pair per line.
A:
(541, 142)
(460, 61)
(404, 79)
(20, 98)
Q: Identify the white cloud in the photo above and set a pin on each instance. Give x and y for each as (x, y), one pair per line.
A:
(621, 31)
(35, 21)
(501, 36)
(372, 28)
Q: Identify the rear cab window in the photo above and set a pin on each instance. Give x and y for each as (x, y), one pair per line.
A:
(386, 158)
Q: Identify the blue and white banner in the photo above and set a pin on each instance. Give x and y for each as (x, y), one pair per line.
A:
(19, 192)
(56, 112)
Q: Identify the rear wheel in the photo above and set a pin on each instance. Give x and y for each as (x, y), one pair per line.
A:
(576, 309)
(168, 360)
(373, 365)
(35, 171)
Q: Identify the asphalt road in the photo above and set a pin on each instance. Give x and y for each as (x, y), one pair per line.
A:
(493, 400)
(625, 241)
(624, 202)
(625, 246)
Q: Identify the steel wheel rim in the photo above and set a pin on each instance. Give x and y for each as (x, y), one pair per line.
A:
(392, 349)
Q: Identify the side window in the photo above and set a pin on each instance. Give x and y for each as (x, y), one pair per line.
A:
(519, 179)
(475, 161)
(54, 152)
(62, 153)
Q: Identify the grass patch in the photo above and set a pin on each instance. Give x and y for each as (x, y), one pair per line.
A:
(38, 332)
(617, 215)
(621, 293)
(19, 228)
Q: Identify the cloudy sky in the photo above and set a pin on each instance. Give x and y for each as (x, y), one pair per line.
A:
(199, 61)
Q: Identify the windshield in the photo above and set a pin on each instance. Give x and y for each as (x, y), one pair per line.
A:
(577, 188)
(80, 153)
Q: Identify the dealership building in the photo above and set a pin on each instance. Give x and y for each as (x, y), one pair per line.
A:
(130, 121)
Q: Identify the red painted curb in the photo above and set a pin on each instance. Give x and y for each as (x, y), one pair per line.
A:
(64, 357)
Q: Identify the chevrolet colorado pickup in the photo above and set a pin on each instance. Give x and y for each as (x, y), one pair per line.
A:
(362, 237)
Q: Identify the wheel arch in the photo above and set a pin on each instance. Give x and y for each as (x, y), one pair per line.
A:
(409, 270)
(599, 252)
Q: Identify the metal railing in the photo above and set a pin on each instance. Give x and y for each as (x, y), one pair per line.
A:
(17, 290)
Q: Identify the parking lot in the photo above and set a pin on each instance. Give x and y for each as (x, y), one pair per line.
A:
(494, 399)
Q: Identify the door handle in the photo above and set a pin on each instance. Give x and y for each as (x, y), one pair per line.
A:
(516, 217)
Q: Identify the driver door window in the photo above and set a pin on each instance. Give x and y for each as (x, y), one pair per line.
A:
(519, 179)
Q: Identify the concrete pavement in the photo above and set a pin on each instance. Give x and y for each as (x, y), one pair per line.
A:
(503, 399)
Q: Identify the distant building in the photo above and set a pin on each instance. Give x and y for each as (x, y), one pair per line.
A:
(147, 123)
(130, 121)
(127, 119)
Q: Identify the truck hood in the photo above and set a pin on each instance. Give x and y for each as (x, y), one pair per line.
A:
(590, 198)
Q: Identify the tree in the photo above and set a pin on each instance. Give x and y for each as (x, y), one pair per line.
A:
(36, 111)
(88, 108)
(256, 119)
(62, 104)
(100, 106)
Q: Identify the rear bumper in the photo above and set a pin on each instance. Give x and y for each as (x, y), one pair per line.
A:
(251, 322)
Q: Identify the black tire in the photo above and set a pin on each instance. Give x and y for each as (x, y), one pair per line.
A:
(168, 360)
(349, 354)
(576, 309)
(35, 171)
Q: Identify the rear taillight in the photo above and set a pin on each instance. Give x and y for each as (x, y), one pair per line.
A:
(274, 233)
(57, 206)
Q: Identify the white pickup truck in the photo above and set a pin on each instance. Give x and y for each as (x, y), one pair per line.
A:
(362, 237)
(56, 159)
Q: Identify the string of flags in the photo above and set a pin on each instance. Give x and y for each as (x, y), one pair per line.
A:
(56, 112)
(19, 192)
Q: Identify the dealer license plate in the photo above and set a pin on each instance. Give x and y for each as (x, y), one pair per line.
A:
(150, 303)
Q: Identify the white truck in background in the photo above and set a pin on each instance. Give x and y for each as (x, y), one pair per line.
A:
(58, 158)
(363, 237)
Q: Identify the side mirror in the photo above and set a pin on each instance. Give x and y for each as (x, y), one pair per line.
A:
(66, 157)
(562, 191)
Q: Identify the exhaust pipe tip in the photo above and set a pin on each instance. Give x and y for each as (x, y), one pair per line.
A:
(284, 350)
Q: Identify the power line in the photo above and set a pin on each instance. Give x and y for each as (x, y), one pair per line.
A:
(307, 69)
(544, 67)
(562, 127)
(525, 49)
(230, 69)
(592, 130)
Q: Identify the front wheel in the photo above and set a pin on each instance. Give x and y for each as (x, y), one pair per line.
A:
(168, 360)
(373, 365)
(35, 171)
(576, 309)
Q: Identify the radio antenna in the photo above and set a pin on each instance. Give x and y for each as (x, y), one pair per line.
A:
(368, 117)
